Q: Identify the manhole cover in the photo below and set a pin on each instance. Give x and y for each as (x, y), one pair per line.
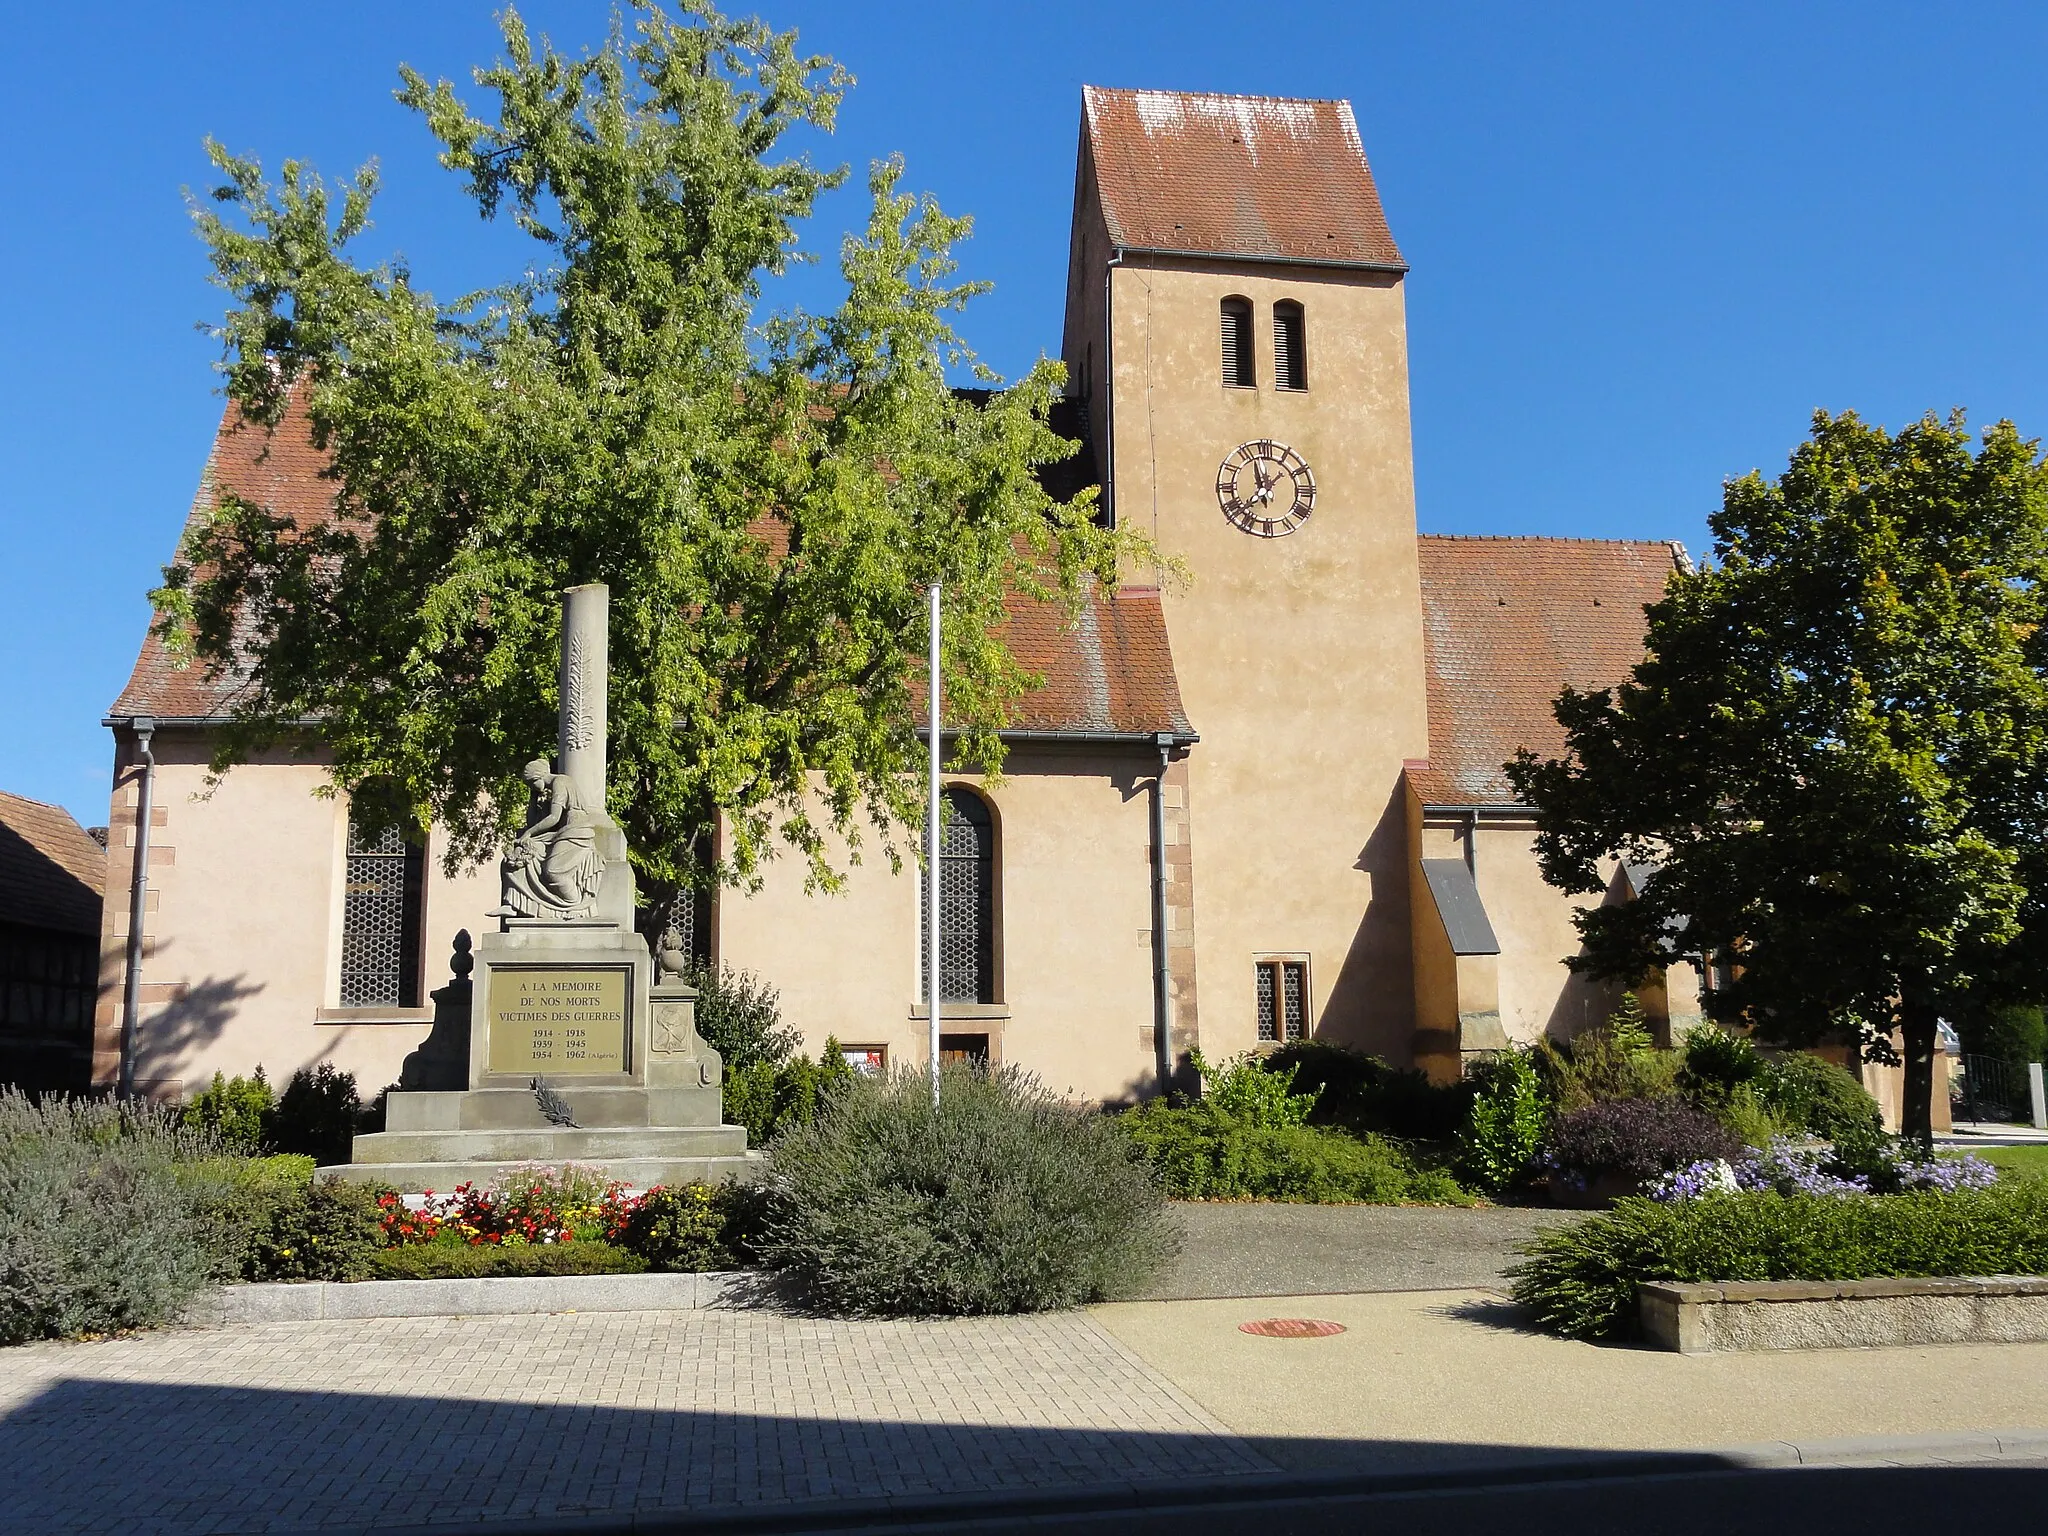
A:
(1291, 1328)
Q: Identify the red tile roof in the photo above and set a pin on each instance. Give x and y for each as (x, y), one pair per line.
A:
(51, 870)
(1507, 623)
(1113, 671)
(279, 470)
(1262, 176)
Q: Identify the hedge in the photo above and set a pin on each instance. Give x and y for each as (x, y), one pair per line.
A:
(1203, 1153)
(1581, 1280)
(463, 1261)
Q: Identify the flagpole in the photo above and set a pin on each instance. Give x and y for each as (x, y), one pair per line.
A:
(933, 833)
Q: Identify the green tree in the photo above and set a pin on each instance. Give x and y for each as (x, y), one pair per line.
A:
(1834, 751)
(767, 498)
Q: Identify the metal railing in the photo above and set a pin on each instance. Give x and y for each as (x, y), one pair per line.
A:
(1990, 1088)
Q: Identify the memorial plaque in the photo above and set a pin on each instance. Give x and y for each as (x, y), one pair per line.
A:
(560, 1018)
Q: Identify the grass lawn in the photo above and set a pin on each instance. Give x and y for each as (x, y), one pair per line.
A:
(2017, 1162)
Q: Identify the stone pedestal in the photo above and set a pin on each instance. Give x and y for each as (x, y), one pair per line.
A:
(563, 1047)
(572, 1009)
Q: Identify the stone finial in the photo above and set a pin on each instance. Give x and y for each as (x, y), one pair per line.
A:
(462, 962)
(670, 958)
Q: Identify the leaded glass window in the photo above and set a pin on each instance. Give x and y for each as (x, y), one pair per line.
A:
(1282, 1000)
(380, 920)
(967, 903)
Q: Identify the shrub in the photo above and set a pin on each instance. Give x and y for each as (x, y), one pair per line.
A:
(1758, 1096)
(1716, 1064)
(1202, 1153)
(1504, 1130)
(1001, 1198)
(1819, 1098)
(318, 1114)
(693, 1227)
(1581, 1280)
(100, 1226)
(1247, 1092)
(1617, 1060)
(324, 1231)
(462, 1261)
(2016, 1033)
(236, 1111)
(1360, 1093)
(1634, 1140)
(765, 1097)
(236, 1198)
(740, 1017)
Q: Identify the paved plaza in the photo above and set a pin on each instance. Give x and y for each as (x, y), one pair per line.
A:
(445, 1422)
(415, 1421)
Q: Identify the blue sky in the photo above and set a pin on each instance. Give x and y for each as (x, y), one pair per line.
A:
(1648, 241)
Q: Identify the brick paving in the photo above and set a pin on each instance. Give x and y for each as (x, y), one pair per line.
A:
(416, 1421)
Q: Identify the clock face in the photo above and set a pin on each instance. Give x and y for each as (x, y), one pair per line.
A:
(1265, 488)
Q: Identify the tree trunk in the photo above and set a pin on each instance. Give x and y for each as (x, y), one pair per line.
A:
(1916, 1100)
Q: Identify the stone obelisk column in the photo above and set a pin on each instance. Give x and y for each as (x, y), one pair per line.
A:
(586, 675)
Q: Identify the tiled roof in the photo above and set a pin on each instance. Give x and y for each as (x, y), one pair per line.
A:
(1111, 672)
(279, 470)
(51, 870)
(1507, 623)
(1235, 176)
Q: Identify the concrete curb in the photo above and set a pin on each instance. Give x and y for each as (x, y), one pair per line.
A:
(1537, 1468)
(311, 1301)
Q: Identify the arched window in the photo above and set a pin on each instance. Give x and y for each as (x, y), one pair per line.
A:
(967, 903)
(1290, 346)
(383, 897)
(1240, 370)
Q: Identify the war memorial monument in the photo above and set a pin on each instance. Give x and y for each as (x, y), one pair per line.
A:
(571, 1043)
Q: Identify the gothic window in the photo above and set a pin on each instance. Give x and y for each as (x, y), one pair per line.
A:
(1290, 346)
(1240, 369)
(967, 903)
(1282, 1000)
(382, 901)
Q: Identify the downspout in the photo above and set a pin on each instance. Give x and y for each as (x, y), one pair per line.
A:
(1472, 843)
(1116, 257)
(144, 727)
(1162, 998)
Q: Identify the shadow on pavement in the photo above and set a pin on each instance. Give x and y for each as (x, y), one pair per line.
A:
(147, 1457)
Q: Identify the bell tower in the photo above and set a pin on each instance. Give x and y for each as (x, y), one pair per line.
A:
(1235, 330)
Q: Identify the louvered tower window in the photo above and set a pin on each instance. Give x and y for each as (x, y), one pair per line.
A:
(1290, 346)
(1239, 369)
(967, 903)
(380, 920)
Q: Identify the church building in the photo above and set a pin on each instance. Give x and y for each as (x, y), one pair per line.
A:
(1265, 806)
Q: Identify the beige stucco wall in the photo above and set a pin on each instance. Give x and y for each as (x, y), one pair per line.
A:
(242, 941)
(1299, 658)
(1074, 964)
(1533, 922)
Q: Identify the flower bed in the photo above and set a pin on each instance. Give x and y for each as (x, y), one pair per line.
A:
(1789, 1167)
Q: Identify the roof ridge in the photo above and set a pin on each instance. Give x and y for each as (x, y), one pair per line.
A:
(1153, 90)
(1541, 538)
(48, 805)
